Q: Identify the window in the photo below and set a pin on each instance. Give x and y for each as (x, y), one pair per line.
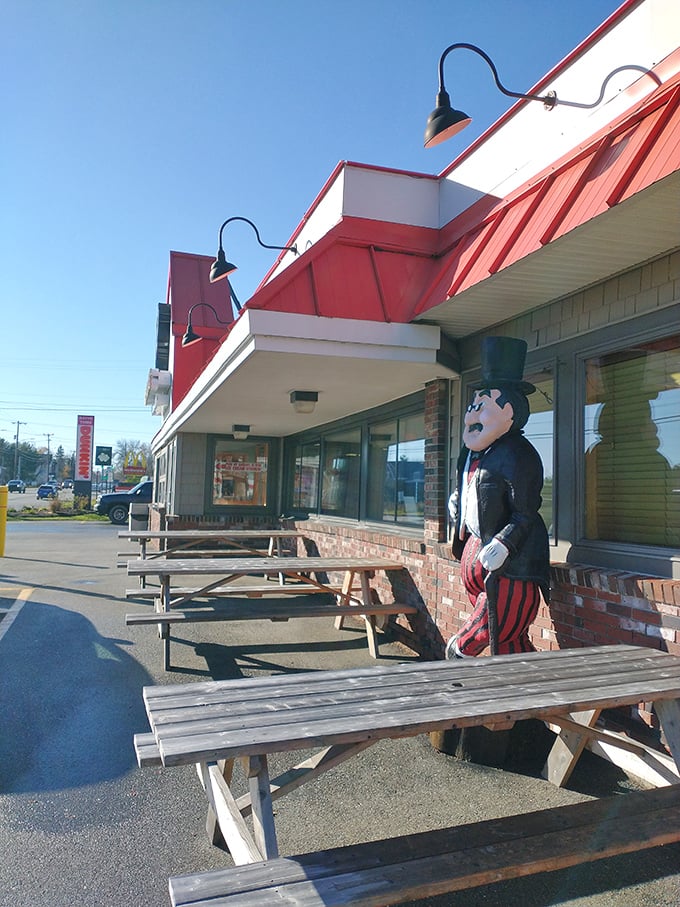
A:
(239, 473)
(540, 430)
(341, 471)
(370, 468)
(161, 473)
(396, 470)
(632, 444)
(306, 485)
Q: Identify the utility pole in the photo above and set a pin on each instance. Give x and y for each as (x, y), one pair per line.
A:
(16, 452)
(47, 477)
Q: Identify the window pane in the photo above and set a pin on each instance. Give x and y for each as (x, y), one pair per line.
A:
(396, 470)
(381, 502)
(411, 470)
(540, 430)
(341, 467)
(306, 488)
(632, 445)
(240, 473)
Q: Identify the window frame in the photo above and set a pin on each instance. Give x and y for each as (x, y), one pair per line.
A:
(240, 510)
(405, 406)
(652, 559)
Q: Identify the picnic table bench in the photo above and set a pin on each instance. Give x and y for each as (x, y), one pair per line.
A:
(303, 574)
(344, 712)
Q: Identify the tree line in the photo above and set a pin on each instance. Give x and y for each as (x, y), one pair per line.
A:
(36, 465)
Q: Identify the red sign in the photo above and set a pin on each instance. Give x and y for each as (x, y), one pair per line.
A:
(134, 470)
(84, 447)
(134, 465)
(224, 466)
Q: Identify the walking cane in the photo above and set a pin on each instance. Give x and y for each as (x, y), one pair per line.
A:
(491, 589)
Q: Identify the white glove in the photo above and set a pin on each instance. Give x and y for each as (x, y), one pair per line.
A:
(451, 510)
(493, 555)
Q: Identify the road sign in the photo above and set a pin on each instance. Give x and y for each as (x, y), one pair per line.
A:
(103, 456)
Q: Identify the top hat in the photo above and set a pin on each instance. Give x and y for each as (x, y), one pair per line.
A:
(503, 364)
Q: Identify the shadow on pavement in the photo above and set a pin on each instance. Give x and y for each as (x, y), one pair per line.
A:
(70, 705)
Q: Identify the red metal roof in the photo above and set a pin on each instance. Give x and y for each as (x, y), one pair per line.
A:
(364, 269)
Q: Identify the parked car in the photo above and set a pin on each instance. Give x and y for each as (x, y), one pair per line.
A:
(46, 491)
(116, 505)
(17, 485)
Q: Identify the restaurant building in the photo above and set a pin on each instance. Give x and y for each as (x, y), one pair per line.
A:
(334, 399)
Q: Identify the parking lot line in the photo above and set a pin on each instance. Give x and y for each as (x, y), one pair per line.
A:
(22, 595)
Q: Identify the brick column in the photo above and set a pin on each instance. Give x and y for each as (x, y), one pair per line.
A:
(436, 447)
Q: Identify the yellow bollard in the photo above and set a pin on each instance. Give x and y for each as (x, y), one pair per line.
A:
(3, 518)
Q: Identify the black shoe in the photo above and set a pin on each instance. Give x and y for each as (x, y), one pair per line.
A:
(451, 652)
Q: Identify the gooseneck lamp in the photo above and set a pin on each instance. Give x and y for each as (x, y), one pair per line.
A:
(190, 335)
(445, 122)
(221, 268)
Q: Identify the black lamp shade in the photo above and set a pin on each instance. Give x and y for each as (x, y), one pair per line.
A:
(190, 336)
(444, 122)
(221, 268)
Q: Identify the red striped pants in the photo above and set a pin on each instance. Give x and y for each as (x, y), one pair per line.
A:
(516, 606)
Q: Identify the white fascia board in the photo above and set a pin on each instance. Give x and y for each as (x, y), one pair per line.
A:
(391, 196)
(287, 325)
(294, 334)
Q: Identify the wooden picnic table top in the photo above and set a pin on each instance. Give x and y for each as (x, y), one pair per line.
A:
(176, 534)
(242, 566)
(207, 721)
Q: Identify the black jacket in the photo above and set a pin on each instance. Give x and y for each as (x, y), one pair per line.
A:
(509, 479)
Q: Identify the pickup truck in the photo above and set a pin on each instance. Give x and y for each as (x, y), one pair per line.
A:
(116, 505)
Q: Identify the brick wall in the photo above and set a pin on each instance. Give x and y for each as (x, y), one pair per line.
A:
(589, 605)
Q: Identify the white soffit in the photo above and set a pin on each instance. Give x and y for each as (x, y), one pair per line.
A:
(352, 364)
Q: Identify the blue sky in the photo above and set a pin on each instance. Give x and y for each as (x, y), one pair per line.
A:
(134, 127)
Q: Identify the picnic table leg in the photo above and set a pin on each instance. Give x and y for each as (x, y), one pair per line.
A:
(372, 621)
(262, 810)
(343, 597)
(212, 826)
(567, 748)
(142, 556)
(164, 629)
(274, 550)
(235, 832)
(668, 713)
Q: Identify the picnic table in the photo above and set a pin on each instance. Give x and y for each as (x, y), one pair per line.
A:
(176, 540)
(346, 711)
(303, 575)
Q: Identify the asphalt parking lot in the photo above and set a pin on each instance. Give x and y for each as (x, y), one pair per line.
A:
(82, 826)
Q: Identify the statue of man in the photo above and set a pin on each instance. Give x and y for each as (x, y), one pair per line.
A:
(498, 534)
